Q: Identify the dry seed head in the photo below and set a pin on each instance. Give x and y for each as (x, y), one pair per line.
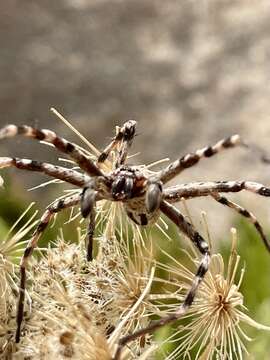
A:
(216, 316)
(130, 279)
(75, 303)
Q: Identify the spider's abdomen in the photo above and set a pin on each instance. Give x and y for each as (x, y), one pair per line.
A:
(136, 211)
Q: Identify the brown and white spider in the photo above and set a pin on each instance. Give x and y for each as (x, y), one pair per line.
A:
(142, 193)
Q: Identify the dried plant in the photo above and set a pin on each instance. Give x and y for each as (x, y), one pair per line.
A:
(81, 309)
(213, 325)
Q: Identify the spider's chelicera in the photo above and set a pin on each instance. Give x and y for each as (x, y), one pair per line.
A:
(143, 194)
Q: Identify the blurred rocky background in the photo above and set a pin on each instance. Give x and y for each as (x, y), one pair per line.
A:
(190, 72)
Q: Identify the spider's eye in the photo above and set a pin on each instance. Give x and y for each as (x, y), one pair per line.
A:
(128, 187)
(122, 188)
(118, 186)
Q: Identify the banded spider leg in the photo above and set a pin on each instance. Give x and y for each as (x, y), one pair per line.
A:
(32, 244)
(245, 213)
(189, 160)
(196, 189)
(58, 172)
(61, 144)
(125, 136)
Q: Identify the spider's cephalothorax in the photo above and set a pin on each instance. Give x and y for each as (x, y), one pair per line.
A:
(129, 185)
(142, 193)
(140, 197)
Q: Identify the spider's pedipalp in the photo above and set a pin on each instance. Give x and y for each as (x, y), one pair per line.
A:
(153, 197)
(88, 201)
(32, 244)
(58, 172)
(66, 147)
(191, 159)
(247, 214)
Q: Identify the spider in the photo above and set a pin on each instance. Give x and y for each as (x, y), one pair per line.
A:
(142, 193)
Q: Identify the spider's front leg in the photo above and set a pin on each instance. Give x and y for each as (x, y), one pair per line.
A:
(125, 135)
(32, 244)
(185, 227)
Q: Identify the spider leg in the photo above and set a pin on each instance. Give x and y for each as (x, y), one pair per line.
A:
(88, 202)
(32, 244)
(90, 235)
(247, 214)
(175, 216)
(191, 159)
(187, 228)
(124, 136)
(66, 147)
(196, 189)
(57, 172)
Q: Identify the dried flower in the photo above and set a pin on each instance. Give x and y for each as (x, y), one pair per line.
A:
(79, 309)
(214, 321)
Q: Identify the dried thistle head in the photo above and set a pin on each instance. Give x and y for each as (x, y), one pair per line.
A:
(63, 327)
(81, 307)
(215, 320)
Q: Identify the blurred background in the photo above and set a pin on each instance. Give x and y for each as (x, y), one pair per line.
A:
(190, 72)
